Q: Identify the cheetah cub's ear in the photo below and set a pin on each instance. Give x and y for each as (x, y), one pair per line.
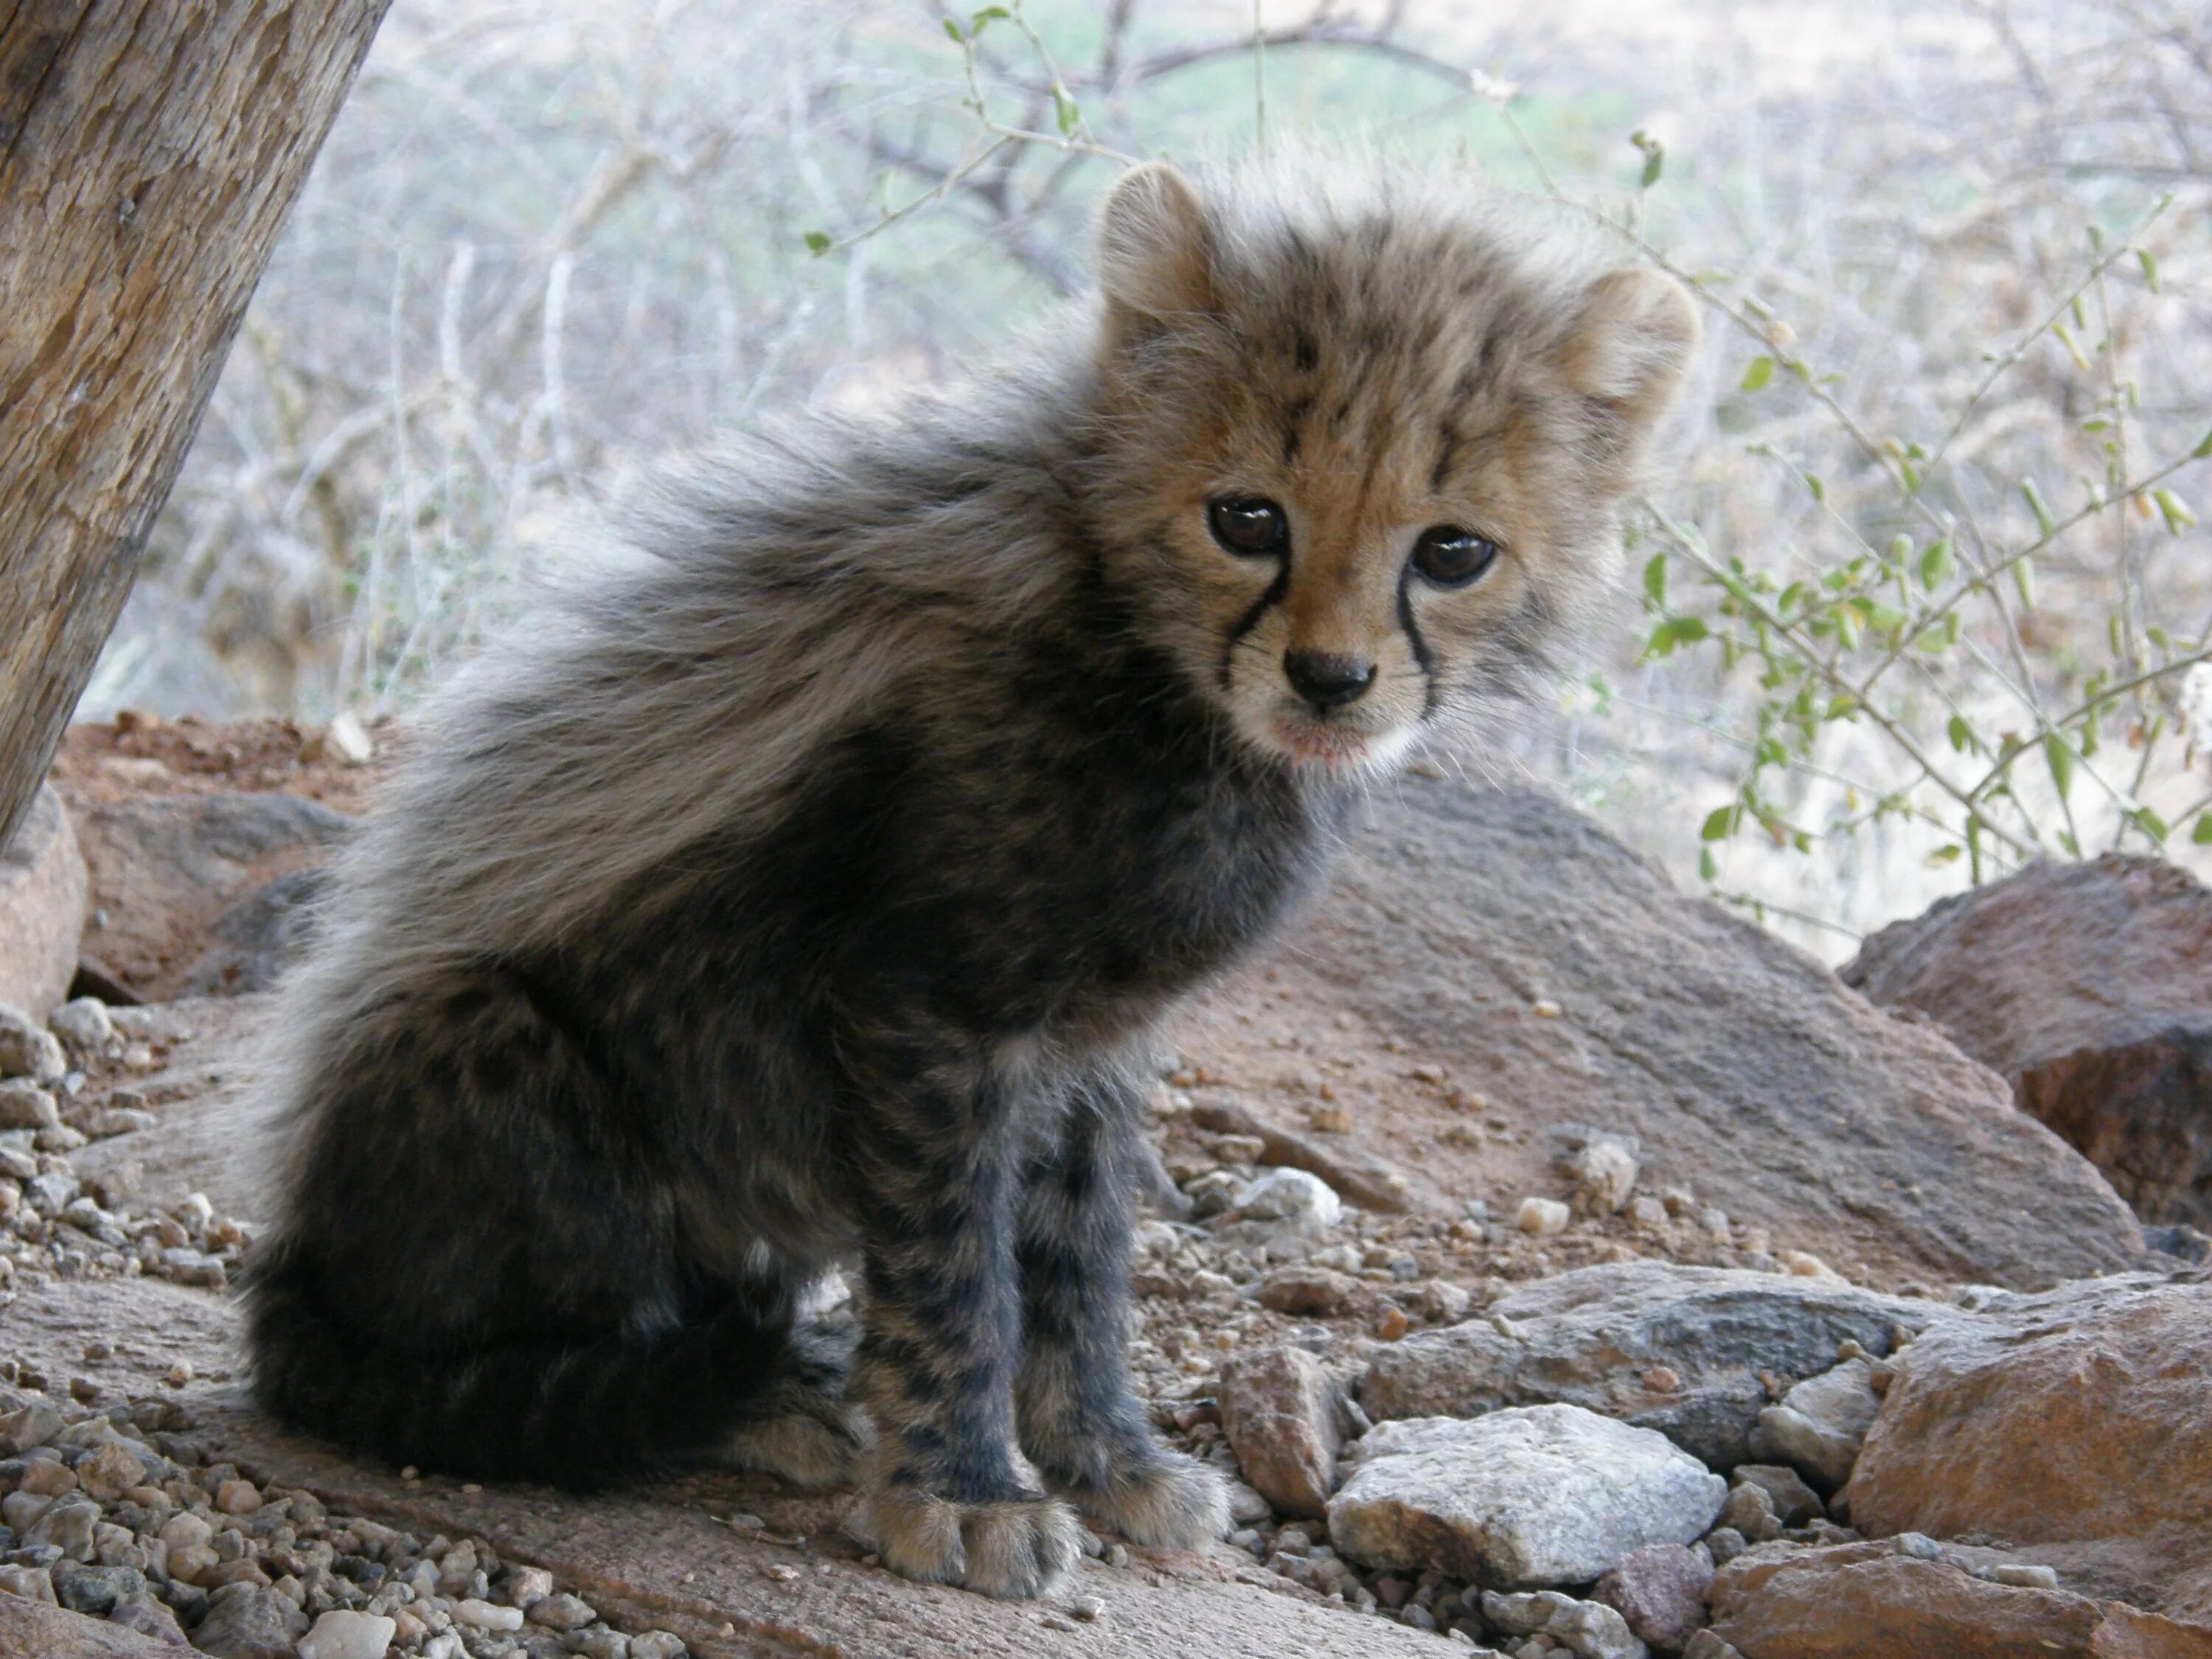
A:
(1155, 251)
(1630, 342)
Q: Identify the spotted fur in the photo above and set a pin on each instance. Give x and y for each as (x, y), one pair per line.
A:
(804, 883)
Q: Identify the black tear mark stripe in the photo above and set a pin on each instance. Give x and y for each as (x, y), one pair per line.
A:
(1250, 619)
(1294, 419)
(1420, 647)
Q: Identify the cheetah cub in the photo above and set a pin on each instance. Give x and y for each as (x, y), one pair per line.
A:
(803, 885)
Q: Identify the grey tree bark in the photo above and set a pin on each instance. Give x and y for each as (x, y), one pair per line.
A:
(149, 151)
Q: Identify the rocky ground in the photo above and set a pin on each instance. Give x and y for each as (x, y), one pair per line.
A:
(1557, 1265)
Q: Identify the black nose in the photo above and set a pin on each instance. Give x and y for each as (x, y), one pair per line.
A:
(1325, 679)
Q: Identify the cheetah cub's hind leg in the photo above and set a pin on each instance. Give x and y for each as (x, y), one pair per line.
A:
(804, 1429)
(1081, 1423)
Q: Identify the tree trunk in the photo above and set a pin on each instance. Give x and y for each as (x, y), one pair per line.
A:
(148, 150)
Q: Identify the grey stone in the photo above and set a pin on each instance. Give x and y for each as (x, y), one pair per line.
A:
(42, 906)
(1296, 1200)
(1591, 1629)
(1844, 1130)
(83, 1026)
(25, 1105)
(560, 1611)
(343, 1633)
(1603, 1167)
(1659, 1590)
(1590, 1338)
(35, 1424)
(67, 1526)
(148, 1616)
(27, 1049)
(246, 1621)
(1791, 1501)
(1526, 1497)
(1822, 1422)
(657, 1645)
(96, 1591)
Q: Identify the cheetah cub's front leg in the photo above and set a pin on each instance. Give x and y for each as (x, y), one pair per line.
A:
(1081, 1423)
(950, 1499)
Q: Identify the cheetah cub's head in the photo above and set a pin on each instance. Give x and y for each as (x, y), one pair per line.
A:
(1366, 445)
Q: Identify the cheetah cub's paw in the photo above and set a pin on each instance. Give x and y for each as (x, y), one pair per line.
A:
(1016, 1548)
(1167, 1499)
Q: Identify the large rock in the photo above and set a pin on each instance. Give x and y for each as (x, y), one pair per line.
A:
(2081, 1415)
(1526, 951)
(1685, 1351)
(2089, 987)
(42, 904)
(38, 1630)
(247, 1621)
(166, 868)
(1282, 1415)
(1535, 1496)
(1867, 1601)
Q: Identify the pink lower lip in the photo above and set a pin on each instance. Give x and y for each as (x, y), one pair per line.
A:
(1310, 740)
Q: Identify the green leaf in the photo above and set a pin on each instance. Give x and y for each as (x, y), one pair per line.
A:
(2203, 448)
(1757, 375)
(1654, 580)
(1936, 564)
(1900, 550)
(989, 14)
(2175, 511)
(1950, 853)
(1709, 868)
(1675, 632)
(2150, 824)
(818, 242)
(2060, 755)
(2023, 577)
(1721, 823)
(1812, 482)
(1842, 708)
(1065, 107)
(2037, 506)
(954, 30)
(2149, 261)
(2202, 834)
(1962, 735)
(1655, 158)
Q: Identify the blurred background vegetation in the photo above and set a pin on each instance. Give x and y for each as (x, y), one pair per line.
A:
(1919, 593)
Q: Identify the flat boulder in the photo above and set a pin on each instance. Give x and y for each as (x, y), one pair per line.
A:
(2081, 1417)
(1523, 1499)
(2089, 988)
(1869, 1601)
(1685, 1351)
(1518, 943)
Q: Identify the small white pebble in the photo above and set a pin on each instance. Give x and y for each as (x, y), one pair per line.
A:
(1918, 1545)
(345, 1635)
(1542, 1216)
(2024, 1575)
(482, 1615)
(1089, 1608)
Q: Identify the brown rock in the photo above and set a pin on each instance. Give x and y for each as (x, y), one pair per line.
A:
(1283, 1418)
(2081, 1415)
(1319, 1291)
(35, 1630)
(1659, 1590)
(1842, 1129)
(42, 904)
(1864, 1602)
(2089, 987)
(165, 868)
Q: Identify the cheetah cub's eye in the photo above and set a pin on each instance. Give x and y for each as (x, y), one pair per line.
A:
(1251, 527)
(1452, 557)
